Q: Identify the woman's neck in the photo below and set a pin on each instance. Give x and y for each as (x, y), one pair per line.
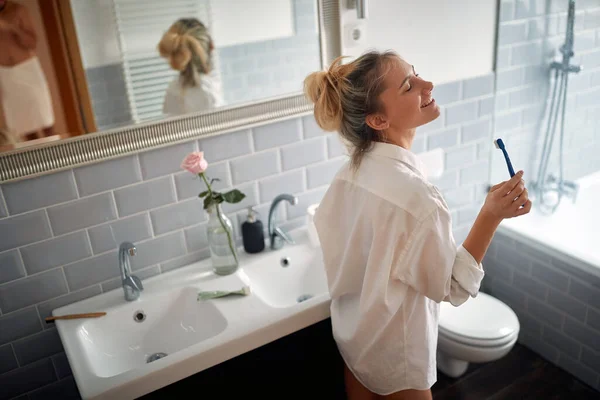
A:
(403, 139)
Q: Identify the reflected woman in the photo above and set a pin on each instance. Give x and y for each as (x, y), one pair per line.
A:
(188, 47)
(25, 100)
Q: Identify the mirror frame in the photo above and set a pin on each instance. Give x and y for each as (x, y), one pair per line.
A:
(95, 147)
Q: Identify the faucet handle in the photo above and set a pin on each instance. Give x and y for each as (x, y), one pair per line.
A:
(279, 232)
(133, 282)
(138, 282)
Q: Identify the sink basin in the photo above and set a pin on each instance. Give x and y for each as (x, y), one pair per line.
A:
(137, 332)
(289, 276)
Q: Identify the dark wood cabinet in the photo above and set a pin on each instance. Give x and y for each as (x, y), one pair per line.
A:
(303, 365)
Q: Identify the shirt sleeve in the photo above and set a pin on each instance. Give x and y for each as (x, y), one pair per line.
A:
(435, 266)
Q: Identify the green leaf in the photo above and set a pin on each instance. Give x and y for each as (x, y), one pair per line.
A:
(214, 180)
(203, 194)
(207, 202)
(234, 196)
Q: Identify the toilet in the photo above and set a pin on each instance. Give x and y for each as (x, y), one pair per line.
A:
(483, 329)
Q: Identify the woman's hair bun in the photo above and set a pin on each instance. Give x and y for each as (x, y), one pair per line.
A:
(325, 89)
(173, 46)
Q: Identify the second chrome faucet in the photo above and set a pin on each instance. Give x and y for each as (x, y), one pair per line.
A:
(132, 285)
(276, 235)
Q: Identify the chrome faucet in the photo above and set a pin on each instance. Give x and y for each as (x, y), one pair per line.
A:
(132, 285)
(276, 235)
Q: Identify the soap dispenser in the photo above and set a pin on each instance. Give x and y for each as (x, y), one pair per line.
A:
(253, 234)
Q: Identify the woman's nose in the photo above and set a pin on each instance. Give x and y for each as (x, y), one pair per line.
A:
(428, 87)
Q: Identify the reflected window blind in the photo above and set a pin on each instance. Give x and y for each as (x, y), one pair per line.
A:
(140, 26)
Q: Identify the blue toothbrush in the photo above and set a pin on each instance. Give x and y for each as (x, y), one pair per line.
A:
(500, 145)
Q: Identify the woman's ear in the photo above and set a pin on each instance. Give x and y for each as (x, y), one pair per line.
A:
(377, 122)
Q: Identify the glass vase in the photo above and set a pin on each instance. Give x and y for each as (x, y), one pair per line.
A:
(223, 251)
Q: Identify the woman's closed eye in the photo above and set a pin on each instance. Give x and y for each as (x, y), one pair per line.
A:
(409, 83)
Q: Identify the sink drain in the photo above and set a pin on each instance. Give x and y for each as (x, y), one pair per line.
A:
(155, 356)
(304, 297)
(139, 316)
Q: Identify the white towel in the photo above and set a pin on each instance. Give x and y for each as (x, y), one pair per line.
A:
(25, 98)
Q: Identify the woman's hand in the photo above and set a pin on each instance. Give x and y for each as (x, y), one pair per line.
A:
(508, 199)
(505, 200)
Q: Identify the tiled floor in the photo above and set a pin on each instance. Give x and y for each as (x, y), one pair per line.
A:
(521, 375)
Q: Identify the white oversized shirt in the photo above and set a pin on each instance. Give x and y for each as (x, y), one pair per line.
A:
(390, 259)
(206, 95)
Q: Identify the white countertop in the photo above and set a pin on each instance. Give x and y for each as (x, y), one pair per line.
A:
(251, 323)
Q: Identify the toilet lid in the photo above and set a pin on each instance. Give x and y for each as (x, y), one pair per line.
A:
(483, 317)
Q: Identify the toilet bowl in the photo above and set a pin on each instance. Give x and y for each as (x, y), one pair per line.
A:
(483, 329)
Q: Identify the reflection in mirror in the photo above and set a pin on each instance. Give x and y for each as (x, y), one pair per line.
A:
(124, 62)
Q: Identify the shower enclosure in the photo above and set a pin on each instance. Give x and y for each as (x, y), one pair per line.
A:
(546, 265)
(547, 112)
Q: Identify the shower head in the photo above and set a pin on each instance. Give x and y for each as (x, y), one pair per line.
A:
(569, 39)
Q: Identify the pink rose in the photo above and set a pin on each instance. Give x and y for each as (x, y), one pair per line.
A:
(195, 163)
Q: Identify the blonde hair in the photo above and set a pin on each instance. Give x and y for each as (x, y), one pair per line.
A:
(345, 94)
(188, 47)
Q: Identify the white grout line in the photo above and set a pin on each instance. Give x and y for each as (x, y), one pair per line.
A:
(77, 193)
(251, 140)
(36, 274)
(15, 353)
(66, 281)
(3, 203)
(49, 224)
(37, 310)
(54, 366)
(304, 179)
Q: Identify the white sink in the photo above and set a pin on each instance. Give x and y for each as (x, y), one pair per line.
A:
(132, 333)
(110, 355)
(288, 276)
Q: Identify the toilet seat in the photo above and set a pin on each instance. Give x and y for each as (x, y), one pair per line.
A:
(483, 321)
(467, 341)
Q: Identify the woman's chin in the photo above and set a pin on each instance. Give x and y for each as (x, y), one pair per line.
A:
(431, 114)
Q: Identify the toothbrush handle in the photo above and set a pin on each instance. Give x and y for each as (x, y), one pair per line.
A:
(511, 170)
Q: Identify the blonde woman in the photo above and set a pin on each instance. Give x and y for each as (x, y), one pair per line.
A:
(188, 47)
(386, 232)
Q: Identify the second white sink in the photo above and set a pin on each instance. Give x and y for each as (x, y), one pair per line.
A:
(288, 276)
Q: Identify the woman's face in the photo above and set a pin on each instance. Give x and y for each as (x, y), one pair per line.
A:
(407, 99)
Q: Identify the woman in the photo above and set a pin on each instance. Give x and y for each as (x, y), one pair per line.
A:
(24, 93)
(188, 47)
(386, 233)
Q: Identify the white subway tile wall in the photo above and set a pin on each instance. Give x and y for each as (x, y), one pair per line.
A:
(528, 41)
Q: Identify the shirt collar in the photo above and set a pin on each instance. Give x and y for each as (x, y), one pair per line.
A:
(401, 154)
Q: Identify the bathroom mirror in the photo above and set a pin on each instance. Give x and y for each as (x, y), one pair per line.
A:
(217, 53)
(94, 68)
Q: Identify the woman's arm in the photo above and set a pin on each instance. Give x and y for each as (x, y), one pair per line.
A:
(479, 238)
(503, 201)
(432, 263)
